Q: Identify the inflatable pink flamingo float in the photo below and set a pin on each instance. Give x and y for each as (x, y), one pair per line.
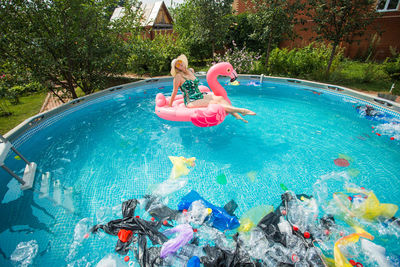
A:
(208, 116)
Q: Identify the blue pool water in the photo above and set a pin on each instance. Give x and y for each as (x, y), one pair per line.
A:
(116, 148)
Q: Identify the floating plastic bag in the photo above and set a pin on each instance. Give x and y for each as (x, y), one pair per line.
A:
(185, 234)
(253, 216)
(375, 252)
(25, 252)
(340, 259)
(371, 208)
(219, 218)
(181, 165)
(158, 210)
(169, 186)
(137, 225)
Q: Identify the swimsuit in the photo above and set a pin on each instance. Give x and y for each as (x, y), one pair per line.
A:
(191, 91)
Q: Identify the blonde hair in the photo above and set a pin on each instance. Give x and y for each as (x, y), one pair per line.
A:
(183, 58)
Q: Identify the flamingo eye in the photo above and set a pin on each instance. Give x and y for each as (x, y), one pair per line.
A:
(228, 70)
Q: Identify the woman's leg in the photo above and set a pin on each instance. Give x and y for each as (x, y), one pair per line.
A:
(238, 117)
(212, 99)
(229, 108)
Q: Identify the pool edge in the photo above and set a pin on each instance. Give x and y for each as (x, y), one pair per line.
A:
(26, 125)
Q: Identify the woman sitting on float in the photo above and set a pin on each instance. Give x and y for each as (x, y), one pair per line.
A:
(185, 79)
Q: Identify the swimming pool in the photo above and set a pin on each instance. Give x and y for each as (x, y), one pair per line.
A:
(113, 147)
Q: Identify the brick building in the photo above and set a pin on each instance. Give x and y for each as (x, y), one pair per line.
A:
(388, 24)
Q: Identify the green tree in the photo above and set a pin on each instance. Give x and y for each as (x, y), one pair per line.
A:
(184, 16)
(341, 20)
(273, 21)
(212, 21)
(12, 81)
(68, 42)
(239, 32)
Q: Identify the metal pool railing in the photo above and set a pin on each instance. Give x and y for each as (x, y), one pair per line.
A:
(385, 105)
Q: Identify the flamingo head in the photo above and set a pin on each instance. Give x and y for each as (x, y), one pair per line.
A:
(224, 69)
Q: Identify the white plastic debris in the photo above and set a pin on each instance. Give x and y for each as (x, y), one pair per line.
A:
(110, 260)
(25, 252)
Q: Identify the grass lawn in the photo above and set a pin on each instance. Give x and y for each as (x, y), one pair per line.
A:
(28, 106)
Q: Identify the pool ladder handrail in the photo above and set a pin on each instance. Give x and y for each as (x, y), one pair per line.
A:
(29, 175)
(30, 169)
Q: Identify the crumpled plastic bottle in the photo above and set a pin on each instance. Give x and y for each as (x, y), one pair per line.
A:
(82, 228)
(302, 214)
(197, 212)
(189, 251)
(279, 253)
(206, 233)
(25, 252)
(255, 243)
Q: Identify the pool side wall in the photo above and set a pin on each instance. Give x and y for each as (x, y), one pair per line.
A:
(45, 118)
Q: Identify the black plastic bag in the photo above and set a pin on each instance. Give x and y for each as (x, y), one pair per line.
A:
(158, 210)
(230, 207)
(138, 226)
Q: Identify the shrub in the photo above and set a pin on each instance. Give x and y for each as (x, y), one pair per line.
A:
(154, 56)
(359, 72)
(307, 62)
(33, 87)
(241, 59)
(14, 93)
(392, 67)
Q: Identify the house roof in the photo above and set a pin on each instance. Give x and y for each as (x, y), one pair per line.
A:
(150, 13)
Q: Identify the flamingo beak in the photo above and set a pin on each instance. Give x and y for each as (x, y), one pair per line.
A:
(233, 75)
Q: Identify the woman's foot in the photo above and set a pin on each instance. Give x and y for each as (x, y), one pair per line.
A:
(245, 112)
(238, 117)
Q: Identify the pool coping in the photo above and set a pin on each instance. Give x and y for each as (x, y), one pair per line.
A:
(382, 104)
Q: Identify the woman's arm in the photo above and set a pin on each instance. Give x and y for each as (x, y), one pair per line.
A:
(175, 91)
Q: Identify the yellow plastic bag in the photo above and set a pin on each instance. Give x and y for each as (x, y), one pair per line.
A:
(340, 259)
(180, 167)
(253, 216)
(371, 208)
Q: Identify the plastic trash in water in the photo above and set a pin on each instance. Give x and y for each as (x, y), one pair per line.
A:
(302, 214)
(219, 218)
(251, 218)
(169, 186)
(157, 209)
(189, 250)
(283, 187)
(193, 262)
(81, 229)
(184, 235)
(255, 243)
(221, 179)
(197, 212)
(137, 225)
(371, 208)
(340, 259)
(25, 252)
(180, 166)
(376, 253)
(110, 260)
